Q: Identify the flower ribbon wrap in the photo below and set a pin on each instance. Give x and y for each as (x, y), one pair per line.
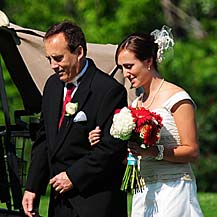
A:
(135, 125)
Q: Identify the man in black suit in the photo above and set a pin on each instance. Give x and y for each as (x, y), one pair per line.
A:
(85, 180)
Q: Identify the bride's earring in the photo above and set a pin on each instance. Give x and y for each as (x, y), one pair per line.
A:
(149, 68)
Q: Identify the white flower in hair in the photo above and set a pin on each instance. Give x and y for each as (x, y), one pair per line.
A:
(164, 39)
(4, 21)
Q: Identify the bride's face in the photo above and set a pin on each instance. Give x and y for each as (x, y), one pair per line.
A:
(133, 68)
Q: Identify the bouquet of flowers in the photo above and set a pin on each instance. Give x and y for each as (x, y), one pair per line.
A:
(136, 125)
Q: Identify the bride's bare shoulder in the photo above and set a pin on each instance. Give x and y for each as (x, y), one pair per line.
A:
(170, 88)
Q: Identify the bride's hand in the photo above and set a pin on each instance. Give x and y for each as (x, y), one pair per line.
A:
(136, 150)
(94, 136)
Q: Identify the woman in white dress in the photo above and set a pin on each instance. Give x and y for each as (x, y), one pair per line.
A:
(170, 187)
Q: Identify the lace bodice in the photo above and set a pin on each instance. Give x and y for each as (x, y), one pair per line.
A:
(153, 170)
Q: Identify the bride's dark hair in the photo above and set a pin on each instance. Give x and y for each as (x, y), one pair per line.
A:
(142, 45)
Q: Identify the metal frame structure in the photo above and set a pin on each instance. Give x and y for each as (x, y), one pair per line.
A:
(16, 137)
(12, 166)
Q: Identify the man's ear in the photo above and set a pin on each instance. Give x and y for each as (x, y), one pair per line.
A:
(80, 52)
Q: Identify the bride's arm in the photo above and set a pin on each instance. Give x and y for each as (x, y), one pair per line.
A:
(94, 136)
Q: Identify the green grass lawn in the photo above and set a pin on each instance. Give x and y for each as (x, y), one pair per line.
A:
(207, 203)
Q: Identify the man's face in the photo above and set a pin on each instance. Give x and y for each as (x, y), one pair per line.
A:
(62, 61)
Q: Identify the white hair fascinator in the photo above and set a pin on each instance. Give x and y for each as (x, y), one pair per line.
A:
(164, 39)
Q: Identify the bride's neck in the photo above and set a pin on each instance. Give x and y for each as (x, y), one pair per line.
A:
(152, 86)
(153, 91)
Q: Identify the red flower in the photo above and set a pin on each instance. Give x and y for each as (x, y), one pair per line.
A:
(150, 134)
(117, 111)
(148, 125)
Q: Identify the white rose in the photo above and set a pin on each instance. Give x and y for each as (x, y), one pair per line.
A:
(71, 108)
(123, 124)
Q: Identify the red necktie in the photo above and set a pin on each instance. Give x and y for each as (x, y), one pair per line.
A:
(68, 98)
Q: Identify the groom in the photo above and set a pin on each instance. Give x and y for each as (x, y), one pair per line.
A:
(85, 180)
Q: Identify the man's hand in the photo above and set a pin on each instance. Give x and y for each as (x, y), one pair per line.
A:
(27, 202)
(61, 183)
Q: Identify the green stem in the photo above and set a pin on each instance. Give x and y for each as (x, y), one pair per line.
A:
(132, 178)
(125, 178)
(137, 185)
(128, 178)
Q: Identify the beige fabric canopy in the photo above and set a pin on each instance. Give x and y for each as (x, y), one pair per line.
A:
(29, 43)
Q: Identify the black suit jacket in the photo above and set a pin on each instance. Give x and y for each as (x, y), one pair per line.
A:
(96, 172)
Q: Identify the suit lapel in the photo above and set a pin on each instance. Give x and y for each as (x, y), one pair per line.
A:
(55, 107)
(80, 97)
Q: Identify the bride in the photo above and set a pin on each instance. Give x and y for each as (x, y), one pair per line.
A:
(170, 187)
